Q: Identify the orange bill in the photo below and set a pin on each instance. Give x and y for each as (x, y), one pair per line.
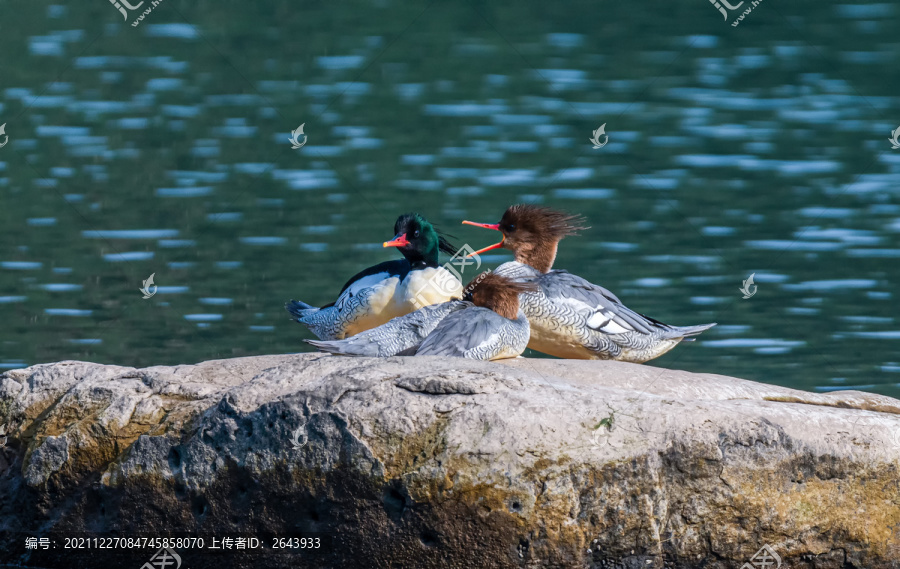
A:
(495, 227)
(399, 240)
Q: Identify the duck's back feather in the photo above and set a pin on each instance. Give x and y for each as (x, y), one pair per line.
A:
(477, 333)
(398, 268)
(573, 318)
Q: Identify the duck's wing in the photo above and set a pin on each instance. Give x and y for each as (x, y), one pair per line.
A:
(398, 268)
(473, 333)
(601, 309)
(360, 306)
(380, 272)
(398, 336)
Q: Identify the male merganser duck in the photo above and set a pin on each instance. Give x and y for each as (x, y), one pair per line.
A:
(487, 325)
(570, 317)
(387, 290)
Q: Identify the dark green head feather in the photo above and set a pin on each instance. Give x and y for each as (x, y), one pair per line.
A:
(425, 242)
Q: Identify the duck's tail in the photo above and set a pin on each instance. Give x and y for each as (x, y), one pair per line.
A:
(311, 317)
(344, 348)
(688, 332)
(320, 321)
(299, 310)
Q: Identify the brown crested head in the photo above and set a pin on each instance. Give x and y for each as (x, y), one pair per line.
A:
(532, 233)
(498, 293)
(542, 221)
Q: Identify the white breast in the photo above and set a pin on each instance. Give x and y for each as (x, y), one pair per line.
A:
(428, 286)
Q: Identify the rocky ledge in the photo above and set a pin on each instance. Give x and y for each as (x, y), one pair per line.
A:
(435, 462)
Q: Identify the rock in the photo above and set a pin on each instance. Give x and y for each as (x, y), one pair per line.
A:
(437, 462)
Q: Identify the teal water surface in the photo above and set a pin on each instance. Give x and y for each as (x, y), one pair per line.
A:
(163, 149)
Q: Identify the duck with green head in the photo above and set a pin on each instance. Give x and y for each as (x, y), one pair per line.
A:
(390, 289)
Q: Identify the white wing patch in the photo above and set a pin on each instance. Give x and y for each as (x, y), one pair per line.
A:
(602, 320)
(366, 282)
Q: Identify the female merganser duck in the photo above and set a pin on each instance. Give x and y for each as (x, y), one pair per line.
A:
(487, 325)
(570, 317)
(387, 290)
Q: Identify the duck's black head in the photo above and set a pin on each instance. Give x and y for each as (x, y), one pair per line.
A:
(419, 241)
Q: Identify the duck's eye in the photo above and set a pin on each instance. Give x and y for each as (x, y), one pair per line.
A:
(510, 227)
(416, 234)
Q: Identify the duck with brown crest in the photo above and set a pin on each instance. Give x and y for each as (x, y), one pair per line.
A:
(387, 290)
(487, 325)
(569, 316)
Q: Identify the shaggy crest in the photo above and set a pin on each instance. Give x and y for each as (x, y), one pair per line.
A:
(544, 221)
(498, 293)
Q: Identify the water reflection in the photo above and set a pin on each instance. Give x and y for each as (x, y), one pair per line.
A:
(150, 152)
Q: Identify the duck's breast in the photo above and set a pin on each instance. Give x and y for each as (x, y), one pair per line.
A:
(424, 287)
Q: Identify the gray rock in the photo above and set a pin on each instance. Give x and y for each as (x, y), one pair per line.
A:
(436, 462)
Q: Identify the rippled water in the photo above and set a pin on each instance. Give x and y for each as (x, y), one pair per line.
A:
(164, 149)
